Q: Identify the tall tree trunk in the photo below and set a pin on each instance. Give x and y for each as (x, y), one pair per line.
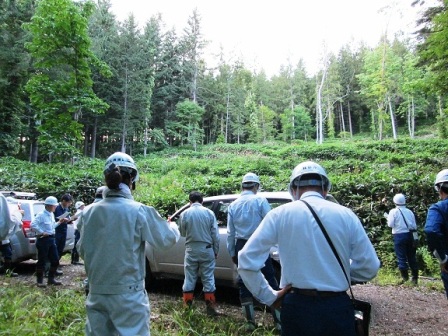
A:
(350, 119)
(93, 143)
(319, 117)
(342, 118)
(392, 118)
(227, 116)
(87, 135)
(125, 111)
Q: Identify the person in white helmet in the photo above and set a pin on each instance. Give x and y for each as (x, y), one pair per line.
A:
(243, 218)
(79, 206)
(402, 222)
(44, 225)
(436, 227)
(313, 297)
(10, 223)
(112, 244)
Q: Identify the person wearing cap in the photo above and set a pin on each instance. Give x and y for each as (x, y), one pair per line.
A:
(44, 225)
(436, 227)
(313, 295)
(243, 218)
(10, 223)
(199, 227)
(79, 206)
(402, 222)
(117, 302)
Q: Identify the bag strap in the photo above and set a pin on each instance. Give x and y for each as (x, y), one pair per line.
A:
(404, 218)
(327, 237)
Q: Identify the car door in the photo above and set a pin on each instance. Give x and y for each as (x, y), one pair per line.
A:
(225, 269)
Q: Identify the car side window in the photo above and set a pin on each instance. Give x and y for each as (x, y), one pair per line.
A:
(221, 213)
(277, 202)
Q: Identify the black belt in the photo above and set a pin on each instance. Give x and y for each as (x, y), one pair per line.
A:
(314, 292)
(49, 236)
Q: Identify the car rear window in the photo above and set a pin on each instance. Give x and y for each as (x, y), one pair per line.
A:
(38, 207)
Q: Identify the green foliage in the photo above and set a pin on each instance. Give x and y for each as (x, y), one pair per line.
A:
(27, 311)
(61, 88)
(365, 176)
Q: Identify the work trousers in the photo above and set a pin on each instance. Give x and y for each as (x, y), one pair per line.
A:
(118, 314)
(46, 251)
(199, 262)
(268, 272)
(304, 315)
(405, 251)
(6, 251)
(61, 237)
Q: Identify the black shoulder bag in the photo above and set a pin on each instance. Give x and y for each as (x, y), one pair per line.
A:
(414, 232)
(362, 309)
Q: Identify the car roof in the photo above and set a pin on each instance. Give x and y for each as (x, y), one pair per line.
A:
(19, 194)
(266, 194)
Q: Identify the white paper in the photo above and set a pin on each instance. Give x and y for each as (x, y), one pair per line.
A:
(65, 214)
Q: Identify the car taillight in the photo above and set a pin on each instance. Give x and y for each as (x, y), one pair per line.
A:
(26, 228)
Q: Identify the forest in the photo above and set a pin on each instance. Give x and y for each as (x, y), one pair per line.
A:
(76, 82)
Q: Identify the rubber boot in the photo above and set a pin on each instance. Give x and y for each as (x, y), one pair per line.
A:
(414, 279)
(210, 302)
(247, 305)
(276, 316)
(9, 270)
(51, 275)
(188, 299)
(404, 275)
(40, 278)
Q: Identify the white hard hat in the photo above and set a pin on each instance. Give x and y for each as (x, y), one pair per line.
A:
(125, 162)
(307, 168)
(78, 204)
(441, 177)
(399, 199)
(51, 200)
(250, 179)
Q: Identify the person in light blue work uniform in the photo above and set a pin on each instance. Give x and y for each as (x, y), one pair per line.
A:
(243, 217)
(436, 227)
(112, 245)
(313, 297)
(44, 225)
(198, 224)
(402, 221)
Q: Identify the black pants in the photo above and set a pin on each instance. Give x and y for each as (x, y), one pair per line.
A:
(46, 251)
(60, 238)
(75, 254)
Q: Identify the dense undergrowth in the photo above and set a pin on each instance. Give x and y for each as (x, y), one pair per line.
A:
(365, 176)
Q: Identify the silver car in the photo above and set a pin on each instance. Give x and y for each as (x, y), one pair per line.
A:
(170, 263)
(23, 242)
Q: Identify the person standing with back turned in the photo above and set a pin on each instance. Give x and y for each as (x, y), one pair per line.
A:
(198, 224)
(436, 227)
(402, 220)
(112, 245)
(243, 217)
(313, 297)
